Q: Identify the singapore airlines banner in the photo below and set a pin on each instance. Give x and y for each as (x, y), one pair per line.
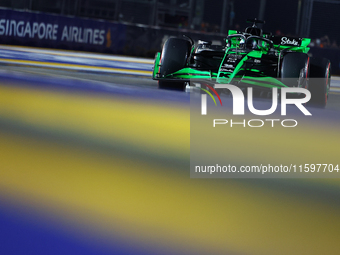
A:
(65, 32)
(55, 31)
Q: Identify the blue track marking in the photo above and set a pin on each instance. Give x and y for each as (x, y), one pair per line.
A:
(88, 86)
(25, 232)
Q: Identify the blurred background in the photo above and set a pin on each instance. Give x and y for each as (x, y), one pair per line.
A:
(307, 18)
(146, 24)
(94, 158)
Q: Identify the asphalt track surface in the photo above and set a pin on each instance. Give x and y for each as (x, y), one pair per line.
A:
(78, 182)
(74, 60)
(138, 82)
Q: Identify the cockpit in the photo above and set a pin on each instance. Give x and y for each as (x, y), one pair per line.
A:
(251, 39)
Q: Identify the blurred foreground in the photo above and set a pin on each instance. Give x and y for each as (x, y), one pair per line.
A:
(98, 173)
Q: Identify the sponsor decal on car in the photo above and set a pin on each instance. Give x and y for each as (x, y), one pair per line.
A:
(287, 41)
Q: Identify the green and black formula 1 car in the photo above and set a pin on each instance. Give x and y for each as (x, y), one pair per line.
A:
(249, 58)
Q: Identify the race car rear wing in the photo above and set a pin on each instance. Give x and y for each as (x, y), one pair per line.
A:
(287, 41)
(291, 43)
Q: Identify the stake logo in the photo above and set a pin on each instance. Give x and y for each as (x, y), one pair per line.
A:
(239, 102)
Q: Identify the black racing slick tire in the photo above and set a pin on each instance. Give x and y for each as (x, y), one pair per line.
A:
(174, 57)
(172, 85)
(320, 81)
(295, 69)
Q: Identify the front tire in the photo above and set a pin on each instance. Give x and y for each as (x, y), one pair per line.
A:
(172, 85)
(174, 57)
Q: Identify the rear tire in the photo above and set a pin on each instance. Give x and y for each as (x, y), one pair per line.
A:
(295, 69)
(174, 57)
(319, 84)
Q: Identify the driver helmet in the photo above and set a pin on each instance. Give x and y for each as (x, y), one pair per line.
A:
(242, 43)
(252, 44)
